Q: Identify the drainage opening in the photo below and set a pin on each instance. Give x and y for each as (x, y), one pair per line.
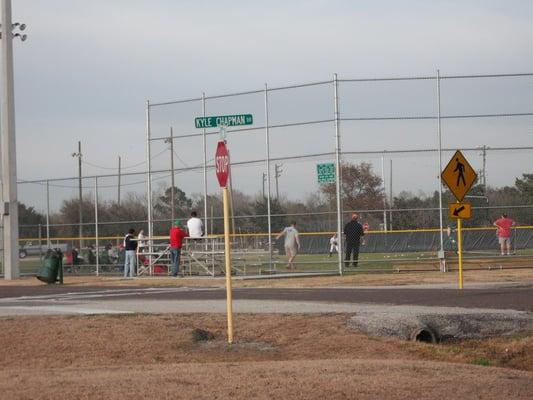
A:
(423, 335)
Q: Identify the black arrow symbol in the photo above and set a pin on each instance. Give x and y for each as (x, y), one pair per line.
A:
(457, 211)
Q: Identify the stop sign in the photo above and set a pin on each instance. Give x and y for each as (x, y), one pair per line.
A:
(222, 163)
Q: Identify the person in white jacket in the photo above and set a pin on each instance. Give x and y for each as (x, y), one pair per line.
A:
(333, 244)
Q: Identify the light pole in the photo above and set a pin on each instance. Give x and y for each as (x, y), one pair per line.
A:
(80, 208)
(8, 144)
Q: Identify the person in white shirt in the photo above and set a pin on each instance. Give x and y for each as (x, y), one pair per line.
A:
(333, 244)
(141, 242)
(292, 243)
(195, 226)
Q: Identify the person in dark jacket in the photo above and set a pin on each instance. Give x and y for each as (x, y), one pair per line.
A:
(130, 248)
(354, 232)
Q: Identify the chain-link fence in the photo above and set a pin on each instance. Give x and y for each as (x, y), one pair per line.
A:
(403, 130)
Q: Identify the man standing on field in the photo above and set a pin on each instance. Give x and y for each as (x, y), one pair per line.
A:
(503, 232)
(292, 243)
(354, 232)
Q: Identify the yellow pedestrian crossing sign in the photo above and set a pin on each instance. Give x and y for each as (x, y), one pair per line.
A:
(459, 176)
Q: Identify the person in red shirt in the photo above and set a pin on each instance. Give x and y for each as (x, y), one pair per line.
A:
(176, 235)
(503, 232)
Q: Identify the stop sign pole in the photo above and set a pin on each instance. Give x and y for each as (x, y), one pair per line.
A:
(222, 167)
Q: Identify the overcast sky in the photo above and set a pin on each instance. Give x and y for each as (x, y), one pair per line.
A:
(88, 68)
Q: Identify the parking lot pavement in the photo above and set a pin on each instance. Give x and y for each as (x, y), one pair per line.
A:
(94, 300)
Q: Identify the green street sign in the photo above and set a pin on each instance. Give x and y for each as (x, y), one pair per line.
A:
(227, 120)
(325, 173)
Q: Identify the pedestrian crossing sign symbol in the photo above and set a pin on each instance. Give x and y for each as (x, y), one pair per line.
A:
(459, 176)
(325, 173)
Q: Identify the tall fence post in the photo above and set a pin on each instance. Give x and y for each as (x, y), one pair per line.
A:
(149, 182)
(391, 197)
(204, 142)
(441, 251)
(384, 193)
(267, 139)
(339, 172)
(48, 213)
(96, 225)
(40, 244)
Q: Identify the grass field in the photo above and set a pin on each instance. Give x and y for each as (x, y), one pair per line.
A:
(322, 263)
(142, 356)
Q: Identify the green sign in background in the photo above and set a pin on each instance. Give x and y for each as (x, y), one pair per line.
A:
(227, 120)
(325, 173)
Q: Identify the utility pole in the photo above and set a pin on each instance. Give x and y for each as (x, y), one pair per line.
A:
(118, 194)
(8, 144)
(80, 194)
(264, 180)
(278, 171)
(171, 141)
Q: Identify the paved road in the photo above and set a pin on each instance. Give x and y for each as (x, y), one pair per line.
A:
(68, 299)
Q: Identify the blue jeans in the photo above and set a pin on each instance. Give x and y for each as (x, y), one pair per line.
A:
(175, 259)
(129, 263)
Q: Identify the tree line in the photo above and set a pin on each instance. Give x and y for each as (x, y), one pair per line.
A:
(361, 191)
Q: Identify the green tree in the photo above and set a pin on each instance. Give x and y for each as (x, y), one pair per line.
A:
(360, 187)
(278, 220)
(525, 186)
(29, 221)
(69, 217)
(411, 218)
(162, 204)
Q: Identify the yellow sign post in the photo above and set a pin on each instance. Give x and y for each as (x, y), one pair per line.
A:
(227, 260)
(460, 251)
(459, 176)
(222, 169)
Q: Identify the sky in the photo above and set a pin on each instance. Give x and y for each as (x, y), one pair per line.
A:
(88, 68)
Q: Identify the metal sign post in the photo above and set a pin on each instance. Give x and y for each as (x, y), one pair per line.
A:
(460, 251)
(222, 167)
(459, 176)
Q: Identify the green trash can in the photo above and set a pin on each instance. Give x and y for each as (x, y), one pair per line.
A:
(52, 267)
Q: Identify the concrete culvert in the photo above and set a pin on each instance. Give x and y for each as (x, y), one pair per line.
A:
(424, 334)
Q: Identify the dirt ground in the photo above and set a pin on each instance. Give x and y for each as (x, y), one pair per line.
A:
(358, 279)
(274, 356)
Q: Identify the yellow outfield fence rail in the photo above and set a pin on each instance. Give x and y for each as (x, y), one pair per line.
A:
(262, 234)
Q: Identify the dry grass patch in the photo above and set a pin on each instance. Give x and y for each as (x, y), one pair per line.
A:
(85, 341)
(275, 356)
